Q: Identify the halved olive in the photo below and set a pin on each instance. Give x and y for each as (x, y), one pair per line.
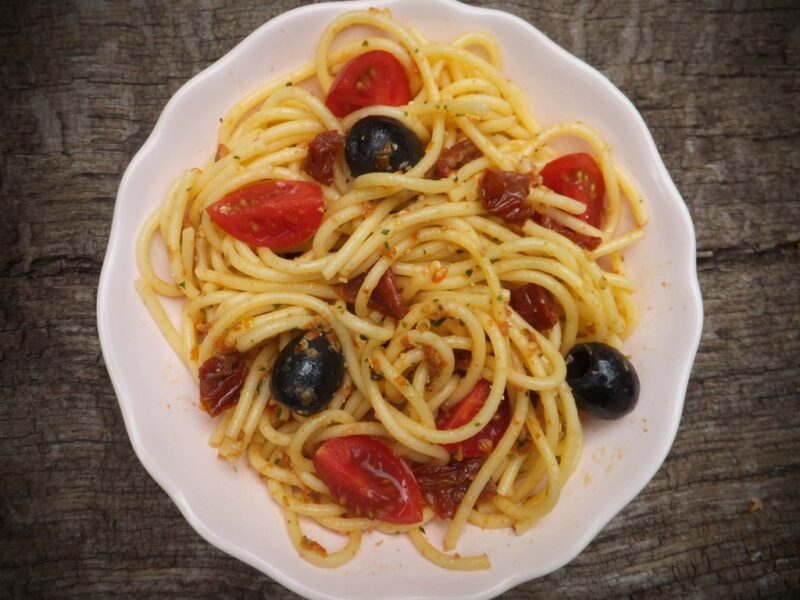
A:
(307, 372)
(603, 381)
(382, 145)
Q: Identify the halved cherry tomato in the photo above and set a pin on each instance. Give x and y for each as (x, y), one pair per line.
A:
(483, 442)
(364, 475)
(578, 177)
(374, 77)
(277, 214)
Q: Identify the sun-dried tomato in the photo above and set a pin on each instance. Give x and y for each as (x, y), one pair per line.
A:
(385, 298)
(505, 195)
(221, 380)
(536, 305)
(443, 486)
(322, 155)
(453, 158)
(587, 242)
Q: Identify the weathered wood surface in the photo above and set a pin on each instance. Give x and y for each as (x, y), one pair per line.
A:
(82, 86)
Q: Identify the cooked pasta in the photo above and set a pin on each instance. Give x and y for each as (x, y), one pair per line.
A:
(459, 270)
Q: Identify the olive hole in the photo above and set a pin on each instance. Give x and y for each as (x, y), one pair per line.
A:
(578, 363)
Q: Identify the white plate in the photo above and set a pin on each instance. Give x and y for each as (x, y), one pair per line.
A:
(233, 510)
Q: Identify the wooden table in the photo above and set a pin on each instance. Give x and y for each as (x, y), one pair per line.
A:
(83, 84)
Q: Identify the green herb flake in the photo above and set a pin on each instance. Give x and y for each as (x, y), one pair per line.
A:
(288, 84)
(385, 231)
(182, 284)
(422, 529)
(278, 461)
(438, 322)
(461, 322)
(386, 245)
(236, 157)
(363, 337)
(468, 273)
(477, 423)
(493, 260)
(276, 306)
(500, 298)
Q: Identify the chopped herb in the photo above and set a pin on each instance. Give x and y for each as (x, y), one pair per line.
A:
(403, 324)
(459, 114)
(436, 300)
(363, 337)
(520, 443)
(288, 84)
(493, 260)
(365, 43)
(477, 423)
(416, 50)
(386, 245)
(405, 112)
(455, 178)
(182, 284)
(461, 321)
(279, 412)
(278, 461)
(276, 306)
(424, 251)
(422, 529)
(438, 322)
(375, 376)
(236, 157)
(468, 273)
(500, 298)
(385, 231)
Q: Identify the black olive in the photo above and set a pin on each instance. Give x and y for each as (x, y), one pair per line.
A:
(603, 381)
(381, 144)
(307, 372)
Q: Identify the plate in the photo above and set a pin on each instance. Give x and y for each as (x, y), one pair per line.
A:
(233, 510)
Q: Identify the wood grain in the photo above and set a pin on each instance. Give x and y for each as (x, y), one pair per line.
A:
(82, 86)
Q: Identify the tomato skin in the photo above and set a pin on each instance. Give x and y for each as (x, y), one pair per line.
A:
(483, 442)
(374, 77)
(277, 214)
(364, 475)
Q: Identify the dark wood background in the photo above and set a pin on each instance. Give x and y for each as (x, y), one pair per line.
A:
(82, 86)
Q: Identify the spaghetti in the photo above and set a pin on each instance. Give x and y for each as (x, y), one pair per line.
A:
(457, 265)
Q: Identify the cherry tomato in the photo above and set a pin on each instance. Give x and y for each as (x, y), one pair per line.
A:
(374, 77)
(578, 177)
(364, 475)
(277, 214)
(483, 442)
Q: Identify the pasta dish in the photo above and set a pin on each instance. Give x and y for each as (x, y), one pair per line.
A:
(397, 294)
